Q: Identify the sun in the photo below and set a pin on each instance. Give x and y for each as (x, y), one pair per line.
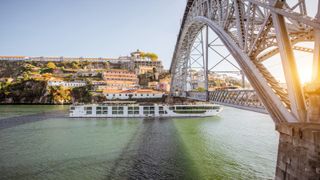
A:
(304, 75)
(304, 66)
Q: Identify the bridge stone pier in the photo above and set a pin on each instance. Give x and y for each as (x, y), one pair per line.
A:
(299, 151)
(299, 143)
(253, 31)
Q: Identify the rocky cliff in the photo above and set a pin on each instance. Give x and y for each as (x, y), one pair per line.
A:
(25, 92)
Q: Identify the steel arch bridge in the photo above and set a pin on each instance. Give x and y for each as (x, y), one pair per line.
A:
(253, 31)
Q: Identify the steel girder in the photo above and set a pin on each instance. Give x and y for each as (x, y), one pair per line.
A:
(252, 30)
(243, 99)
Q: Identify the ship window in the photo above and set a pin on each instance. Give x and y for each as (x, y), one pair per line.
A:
(148, 110)
(89, 112)
(87, 108)
(163, 112)
(98, 112)
(133, 110)
(72, 108)
(117, 110)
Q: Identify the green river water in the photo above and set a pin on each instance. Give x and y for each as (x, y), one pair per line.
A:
(38, 143)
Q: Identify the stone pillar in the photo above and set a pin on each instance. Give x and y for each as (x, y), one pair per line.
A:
(312, 92)
(299, 151)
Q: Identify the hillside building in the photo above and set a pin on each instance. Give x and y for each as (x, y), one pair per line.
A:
(66, 83)
(120, 79)
(135, 62)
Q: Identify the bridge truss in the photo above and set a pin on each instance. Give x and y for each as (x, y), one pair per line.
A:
(252, 31)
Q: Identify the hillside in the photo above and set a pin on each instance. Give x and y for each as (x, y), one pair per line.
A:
(23, 82)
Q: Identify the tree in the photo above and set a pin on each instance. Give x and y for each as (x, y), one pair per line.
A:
(45, 70)
(82, 94)
(152, 56)
(75, 65)
(51, 65)
(60, 94)
(200, 89)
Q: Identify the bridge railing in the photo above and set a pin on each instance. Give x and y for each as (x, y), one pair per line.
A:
(243, 99)
(202, 96)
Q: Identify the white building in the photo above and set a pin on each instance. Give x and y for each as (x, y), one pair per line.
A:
(66, 83)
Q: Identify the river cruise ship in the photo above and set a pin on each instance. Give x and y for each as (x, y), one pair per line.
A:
(125, 110)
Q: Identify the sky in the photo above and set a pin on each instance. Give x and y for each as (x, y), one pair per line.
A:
(89, 28)
(104, 28)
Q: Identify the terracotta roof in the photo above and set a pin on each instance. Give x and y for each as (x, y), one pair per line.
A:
(111, 91)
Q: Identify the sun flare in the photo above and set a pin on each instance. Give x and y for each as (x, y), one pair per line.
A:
(304, 66)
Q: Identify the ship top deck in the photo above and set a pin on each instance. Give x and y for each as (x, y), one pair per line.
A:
(134, 103)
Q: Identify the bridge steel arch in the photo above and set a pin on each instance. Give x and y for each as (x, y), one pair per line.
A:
(253, 31)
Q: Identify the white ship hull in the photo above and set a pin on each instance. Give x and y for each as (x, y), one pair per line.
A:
(142, 111)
